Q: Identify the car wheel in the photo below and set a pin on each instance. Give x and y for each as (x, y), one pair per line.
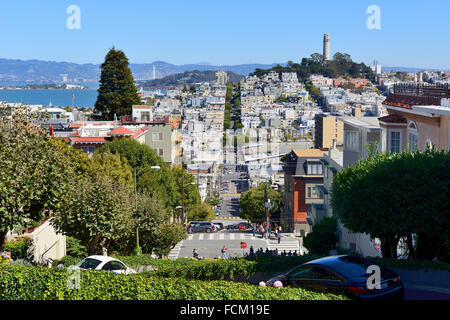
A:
(208, 230)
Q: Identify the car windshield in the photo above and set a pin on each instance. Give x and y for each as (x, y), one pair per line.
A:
(89, 263)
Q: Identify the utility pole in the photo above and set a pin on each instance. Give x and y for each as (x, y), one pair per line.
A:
(182, 196)
(135, 207)
(266, 208)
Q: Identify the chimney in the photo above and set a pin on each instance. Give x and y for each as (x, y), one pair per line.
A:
(333, 152)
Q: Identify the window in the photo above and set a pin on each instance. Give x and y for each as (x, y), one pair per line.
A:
(395, 141)
(88, 149)
(319, 273)
(314, 168)
(89, 263)
(302, 272)
(157, 136)
(113, 266)
(160, 152)
(351, 141)
(412, 136)
(309, 192)
(145, 116)
(325, 171)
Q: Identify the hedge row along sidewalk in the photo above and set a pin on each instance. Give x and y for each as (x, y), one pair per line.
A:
(39, 283)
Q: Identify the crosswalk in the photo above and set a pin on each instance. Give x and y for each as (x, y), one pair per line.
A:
(173, 254)
(228, 218)
(284, 245)
(221, 236)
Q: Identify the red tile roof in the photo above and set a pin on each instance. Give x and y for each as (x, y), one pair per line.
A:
(121, 131)
(89, 140)
(393, 118)
(408, 101)
(139, 132)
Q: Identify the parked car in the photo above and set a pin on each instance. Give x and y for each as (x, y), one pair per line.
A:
(192, 223)
(104, 263)
(232, 226)
(220, 225)
(244, 226)
(343, 274)
(202, 227)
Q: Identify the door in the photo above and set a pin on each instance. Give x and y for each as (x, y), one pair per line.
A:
(324, 280)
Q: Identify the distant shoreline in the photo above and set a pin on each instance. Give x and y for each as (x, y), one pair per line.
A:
(45, 87)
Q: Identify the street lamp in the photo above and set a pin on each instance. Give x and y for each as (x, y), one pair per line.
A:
(135, 201)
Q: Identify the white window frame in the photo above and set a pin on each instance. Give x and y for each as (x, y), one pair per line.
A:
(383, 139)
(413, 132)
(390, 140)
(158, 134)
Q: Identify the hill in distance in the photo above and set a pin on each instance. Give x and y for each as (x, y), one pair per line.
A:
(188, 78)
(38, 71)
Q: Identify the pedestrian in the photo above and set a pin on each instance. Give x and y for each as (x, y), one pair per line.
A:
(279, 237)
(195, 254)
(251, 251)
(224, 252)
(253, 230)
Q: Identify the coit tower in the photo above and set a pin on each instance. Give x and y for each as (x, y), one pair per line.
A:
(326, 47)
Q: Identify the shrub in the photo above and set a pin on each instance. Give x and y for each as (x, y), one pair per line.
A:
(74, 248)
(18, 247)
(31, 283)
(323, 237)
(67, 261)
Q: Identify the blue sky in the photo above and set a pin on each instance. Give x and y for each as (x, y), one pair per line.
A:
(413, 33)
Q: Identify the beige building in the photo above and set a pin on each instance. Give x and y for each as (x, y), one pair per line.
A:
(416, 122)
(327, 128)
(46, 243)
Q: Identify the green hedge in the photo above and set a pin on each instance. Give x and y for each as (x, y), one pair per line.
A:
(18, 247)
(39, 283)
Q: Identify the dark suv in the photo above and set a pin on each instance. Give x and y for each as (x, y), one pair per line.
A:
(202, 227)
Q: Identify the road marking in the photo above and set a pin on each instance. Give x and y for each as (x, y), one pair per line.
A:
(221, 236)
(242, 236)
(200, 237)
(211, 236)
(191, 236)
(231, 236)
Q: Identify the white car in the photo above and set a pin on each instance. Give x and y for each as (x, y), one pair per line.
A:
(104, 263)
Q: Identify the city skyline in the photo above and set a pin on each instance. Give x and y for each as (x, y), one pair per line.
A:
(227, 34)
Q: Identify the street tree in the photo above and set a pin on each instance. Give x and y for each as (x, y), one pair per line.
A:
(117, 91)
(33, 180)
(252, 203)
(201, 212)
(398, 195)
(98, 213)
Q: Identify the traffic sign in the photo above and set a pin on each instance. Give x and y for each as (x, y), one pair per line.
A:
(243, 245)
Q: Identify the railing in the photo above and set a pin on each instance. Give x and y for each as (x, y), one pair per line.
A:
(156, 120)
(437, 90)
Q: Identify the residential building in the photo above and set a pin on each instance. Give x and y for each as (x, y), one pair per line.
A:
(327, 127)
(418, 118)
(302, 174)
(333, 162)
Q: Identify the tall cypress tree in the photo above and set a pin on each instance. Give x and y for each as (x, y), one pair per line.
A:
(117, 91)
